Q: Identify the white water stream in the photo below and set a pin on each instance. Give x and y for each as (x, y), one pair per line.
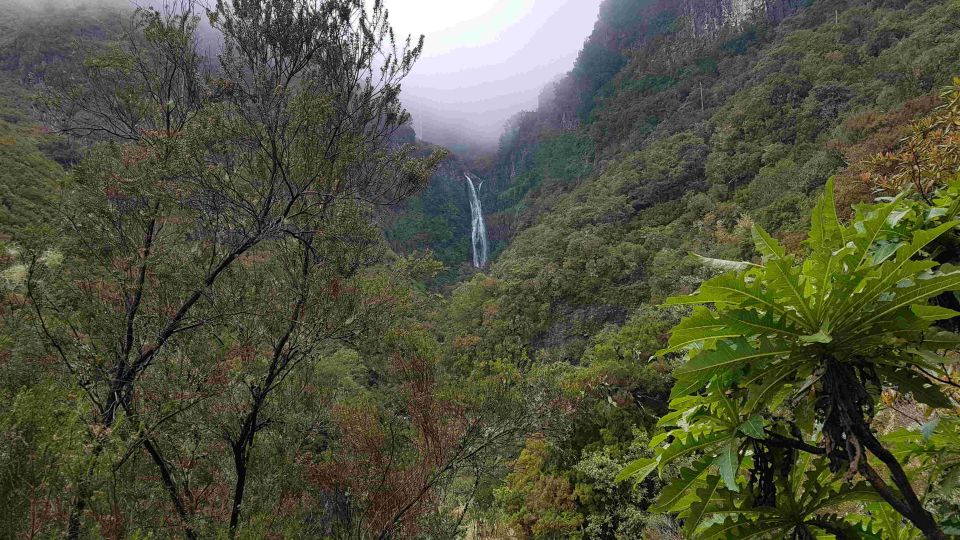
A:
(479, 228)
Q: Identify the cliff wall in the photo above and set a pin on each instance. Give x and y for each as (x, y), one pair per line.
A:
(707, 17)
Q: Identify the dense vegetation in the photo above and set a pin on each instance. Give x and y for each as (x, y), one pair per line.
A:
(784, 108)
(723, 302)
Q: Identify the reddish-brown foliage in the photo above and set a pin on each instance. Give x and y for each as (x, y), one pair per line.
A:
(390, 471)
(111, 523)
(875, 133)
(108, 293)
(46, 514)
(902, 151)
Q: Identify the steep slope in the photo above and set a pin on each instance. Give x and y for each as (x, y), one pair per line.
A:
(438, 219)
(544, 144)
(32, 46)
(665, 32)
(706, 18)
(27, 175)
(782, 107)
(681, 142)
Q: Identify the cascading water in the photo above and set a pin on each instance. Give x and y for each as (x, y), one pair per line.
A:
(479, 232)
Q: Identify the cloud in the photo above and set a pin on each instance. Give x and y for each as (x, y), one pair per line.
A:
(486, 60)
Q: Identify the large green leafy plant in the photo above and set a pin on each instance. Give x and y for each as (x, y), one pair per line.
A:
(791, 358)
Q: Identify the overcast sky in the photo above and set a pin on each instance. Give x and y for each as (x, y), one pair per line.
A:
(486, 60)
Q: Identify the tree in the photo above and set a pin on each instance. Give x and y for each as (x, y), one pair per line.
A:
(217, 206)
(928, 156)
(791, 360)
(394, 470)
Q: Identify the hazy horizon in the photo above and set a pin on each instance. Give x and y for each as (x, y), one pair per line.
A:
(486, 61)
(483, 61)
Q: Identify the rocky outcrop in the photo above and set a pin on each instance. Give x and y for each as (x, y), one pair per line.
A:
(706, 18)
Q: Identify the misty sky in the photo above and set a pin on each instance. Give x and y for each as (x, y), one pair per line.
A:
(486, 60)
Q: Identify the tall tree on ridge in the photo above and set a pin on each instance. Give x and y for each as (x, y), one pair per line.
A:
(194, 172)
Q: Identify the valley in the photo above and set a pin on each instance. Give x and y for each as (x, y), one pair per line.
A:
(705, 289)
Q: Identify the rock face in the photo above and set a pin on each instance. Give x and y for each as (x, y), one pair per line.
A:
(708, 17)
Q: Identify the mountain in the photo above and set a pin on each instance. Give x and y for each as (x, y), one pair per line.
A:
(622, 26)
(705, 18)
(32, 44)
(682, 125)
(338, 390)
(667, 138)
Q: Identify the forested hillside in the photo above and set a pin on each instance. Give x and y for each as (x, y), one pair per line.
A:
(238, 298)
(30, 47)
(784, 107)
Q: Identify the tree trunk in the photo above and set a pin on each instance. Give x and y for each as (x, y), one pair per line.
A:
(909, 505)
(240, 464)
(847, 412)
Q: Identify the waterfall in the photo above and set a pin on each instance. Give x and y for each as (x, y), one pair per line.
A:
(479, 228)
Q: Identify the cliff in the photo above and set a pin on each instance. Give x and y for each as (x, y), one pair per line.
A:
(706, 18)
(438, 218)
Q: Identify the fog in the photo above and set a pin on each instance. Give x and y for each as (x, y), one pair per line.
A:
(485, 60)
(47, 7)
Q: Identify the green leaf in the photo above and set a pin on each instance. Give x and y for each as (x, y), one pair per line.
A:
(701, 326)
(773, 381)
(921, 239)
(854, 526)
(742, 289)
(729, 462)
(723, 264)
(729, 354)
(920, 292)
(728, 411)
(927, 358)
(820, 337)
(684, 446)
(884, 252)
(768, 247)
(860, 493)
(883, 517)
(750, 323)
(933, 313)
(742, 528)
(754, 427)
(826, 232)
(942, 340)
(685, 388)
(699, 508)
(637, 470)
(895, 271)
(674, 493)
(870, 229)
(868, 287)
(787, 282)
(658, 439)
